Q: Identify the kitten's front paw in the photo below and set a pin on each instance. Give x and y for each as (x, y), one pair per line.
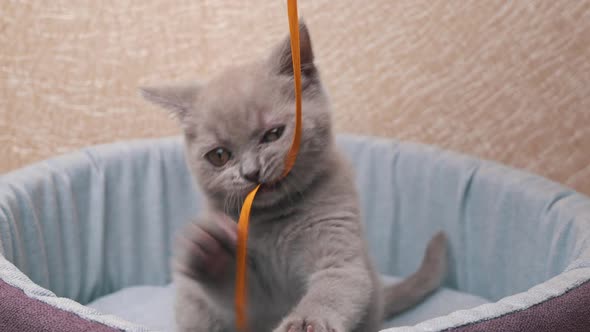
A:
(206, 248)
(308, 324)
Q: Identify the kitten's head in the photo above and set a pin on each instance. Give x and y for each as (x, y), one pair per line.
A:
(239, 126)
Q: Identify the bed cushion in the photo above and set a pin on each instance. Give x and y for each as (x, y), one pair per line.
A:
(28, 307)
(17, 309)
(152, 306)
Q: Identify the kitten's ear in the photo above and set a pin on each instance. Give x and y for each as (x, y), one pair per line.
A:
(281, 60)
(177, 99)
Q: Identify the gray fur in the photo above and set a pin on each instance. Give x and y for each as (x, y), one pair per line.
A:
(309, 270)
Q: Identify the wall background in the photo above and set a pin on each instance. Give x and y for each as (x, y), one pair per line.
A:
(503, 80)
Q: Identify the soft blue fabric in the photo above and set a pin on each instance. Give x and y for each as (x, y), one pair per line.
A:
(152, 306)
(93, 222)
(90, 223)
(508, 229)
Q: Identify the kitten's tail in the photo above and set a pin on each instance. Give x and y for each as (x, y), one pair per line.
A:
(412, 290)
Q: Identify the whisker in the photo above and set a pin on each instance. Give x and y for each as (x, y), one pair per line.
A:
(226, 203)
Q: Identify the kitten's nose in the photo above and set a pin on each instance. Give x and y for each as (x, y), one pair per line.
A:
(253, 176)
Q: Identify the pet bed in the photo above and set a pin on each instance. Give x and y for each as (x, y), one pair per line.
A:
(96, 227)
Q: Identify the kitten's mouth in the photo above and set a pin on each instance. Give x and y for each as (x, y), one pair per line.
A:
(268, 187)
(271, 186)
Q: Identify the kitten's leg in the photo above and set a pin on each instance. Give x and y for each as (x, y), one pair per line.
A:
(337, 300)
(195, 311)
(204, 270)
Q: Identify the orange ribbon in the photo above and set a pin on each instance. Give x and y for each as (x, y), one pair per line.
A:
(241, 296)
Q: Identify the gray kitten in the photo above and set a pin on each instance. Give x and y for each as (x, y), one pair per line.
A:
(309, 270)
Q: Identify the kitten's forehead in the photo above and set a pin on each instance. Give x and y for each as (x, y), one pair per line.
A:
(238, 102)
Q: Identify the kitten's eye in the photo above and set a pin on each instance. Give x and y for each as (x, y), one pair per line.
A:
(273, 134)
(218, 156)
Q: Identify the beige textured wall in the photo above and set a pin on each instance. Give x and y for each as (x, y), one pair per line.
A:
(504, 80)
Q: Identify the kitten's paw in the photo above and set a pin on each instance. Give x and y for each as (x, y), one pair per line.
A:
(297, 324)
(206, 248)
